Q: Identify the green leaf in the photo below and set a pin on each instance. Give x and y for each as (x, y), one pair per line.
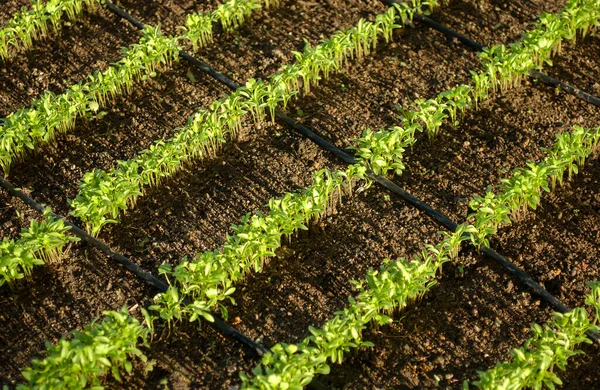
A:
(208, 317)
(230, 291)
(274, 380)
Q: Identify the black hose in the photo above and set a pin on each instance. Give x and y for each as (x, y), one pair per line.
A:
(219, 325)
(448, 32)
(208, 70)
(565, 87)
(446, 222)
(412, 200)
(407, 197)
(322, 143)
(124, 15)
(510, 267)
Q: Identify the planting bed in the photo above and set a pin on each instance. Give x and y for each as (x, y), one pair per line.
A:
(466, 323)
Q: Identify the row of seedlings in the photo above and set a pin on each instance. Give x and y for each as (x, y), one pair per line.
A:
(31, 127)
(504, 66)
(85, 357)
(398, 283)
(533, 365)
(200, 285)
(42, 242)
(17, 34)
(38, 22)
(103, 195)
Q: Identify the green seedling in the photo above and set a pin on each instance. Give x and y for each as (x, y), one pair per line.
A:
(81, 360)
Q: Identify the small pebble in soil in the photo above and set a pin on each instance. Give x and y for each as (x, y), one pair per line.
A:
(509, 286)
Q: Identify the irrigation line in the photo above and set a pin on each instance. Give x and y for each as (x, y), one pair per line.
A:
(410, 199)
(218, 324)
(433, 24)
(140, 26)
(509, 266)
(391, 186)
(124, 15)
(445, 30)
(544, 78)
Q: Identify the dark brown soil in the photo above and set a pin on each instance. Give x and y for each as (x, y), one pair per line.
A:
(8, 8)
(468, 322)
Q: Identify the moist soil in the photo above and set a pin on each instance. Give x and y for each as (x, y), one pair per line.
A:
(469, 321)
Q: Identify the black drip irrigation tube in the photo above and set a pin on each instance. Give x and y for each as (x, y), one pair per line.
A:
(139, 25)
(544, 78)
(134, 268)
(218, 324)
